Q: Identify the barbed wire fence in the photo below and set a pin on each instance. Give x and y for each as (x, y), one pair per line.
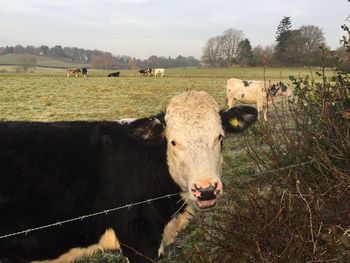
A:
(82, 217)
(130, 206)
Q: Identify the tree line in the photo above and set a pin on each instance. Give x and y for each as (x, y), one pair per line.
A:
(293, 47)
(100, 59)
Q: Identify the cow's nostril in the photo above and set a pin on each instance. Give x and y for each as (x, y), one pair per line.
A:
(206, 190)
(198, 188)
(207, 193)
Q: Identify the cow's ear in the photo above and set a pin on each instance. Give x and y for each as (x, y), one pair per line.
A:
(148, 131)
(238, 118)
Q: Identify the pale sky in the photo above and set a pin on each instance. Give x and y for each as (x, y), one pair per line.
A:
(141, 28)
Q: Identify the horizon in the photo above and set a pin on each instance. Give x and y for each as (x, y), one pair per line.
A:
(142, 28)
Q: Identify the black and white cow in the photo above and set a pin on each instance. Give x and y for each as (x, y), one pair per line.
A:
(84, 72)
(61, 170)
(257, 92)
(113, 75)
(146, 71)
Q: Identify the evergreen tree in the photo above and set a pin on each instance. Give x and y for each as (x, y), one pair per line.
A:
(244, 53)
(282, 35)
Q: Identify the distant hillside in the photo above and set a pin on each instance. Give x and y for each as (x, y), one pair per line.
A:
(61, 57)
(39, 61)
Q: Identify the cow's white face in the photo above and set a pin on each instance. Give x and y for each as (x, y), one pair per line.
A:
(194, 136)
(193, 128)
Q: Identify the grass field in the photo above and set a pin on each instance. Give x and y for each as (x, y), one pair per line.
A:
(238, 72)
(48, 95)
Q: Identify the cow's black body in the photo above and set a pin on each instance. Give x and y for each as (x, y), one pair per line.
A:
(84, 72)
(114, 75)
(56, 171)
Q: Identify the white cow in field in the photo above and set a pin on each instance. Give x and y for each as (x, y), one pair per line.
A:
(254, 92)
(158, 72)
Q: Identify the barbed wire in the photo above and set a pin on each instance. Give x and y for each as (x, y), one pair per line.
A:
(282, 168)
(138, 253)
(174, 256)
(148, 201)
(81, 218)
(347, 19)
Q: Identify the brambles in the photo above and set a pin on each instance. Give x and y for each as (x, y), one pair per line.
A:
(297, 208)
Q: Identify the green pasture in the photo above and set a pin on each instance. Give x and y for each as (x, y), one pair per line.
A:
(48, 95)
(257, 73)
(61, 98)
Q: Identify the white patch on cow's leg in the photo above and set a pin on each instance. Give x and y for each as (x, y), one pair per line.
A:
(107, 242)
(265, 113)
(172, 229)
(261, 109)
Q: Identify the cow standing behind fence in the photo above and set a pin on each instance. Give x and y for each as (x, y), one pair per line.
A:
(256, 92)
(61, 170)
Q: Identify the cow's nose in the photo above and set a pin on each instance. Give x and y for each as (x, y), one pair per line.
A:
(206, 190)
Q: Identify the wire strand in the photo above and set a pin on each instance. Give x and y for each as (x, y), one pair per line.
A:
(81, 218)
(282, 168)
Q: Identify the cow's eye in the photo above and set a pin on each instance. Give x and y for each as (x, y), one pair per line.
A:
(173, 143)
(220, 139)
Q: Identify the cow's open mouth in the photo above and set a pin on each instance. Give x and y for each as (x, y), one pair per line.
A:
(204, 204)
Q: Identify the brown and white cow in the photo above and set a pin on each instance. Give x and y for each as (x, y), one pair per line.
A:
(73, 72)
(61, 170)
(256, 92)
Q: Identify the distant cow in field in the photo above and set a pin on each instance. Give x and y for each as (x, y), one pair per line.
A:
(114, 75)
(84, 72)
(145, 72)
(158, 72)
(254, 92)
(55, 171)
(73, 72)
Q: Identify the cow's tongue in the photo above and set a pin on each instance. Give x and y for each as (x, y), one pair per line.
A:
(206, 203)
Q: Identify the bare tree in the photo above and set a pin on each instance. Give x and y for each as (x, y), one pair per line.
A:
(263, 56)
(230, 41)
(212, 51)
(313, 37)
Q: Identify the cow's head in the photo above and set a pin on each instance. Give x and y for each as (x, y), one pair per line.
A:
(193, 130)
(278, 89)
